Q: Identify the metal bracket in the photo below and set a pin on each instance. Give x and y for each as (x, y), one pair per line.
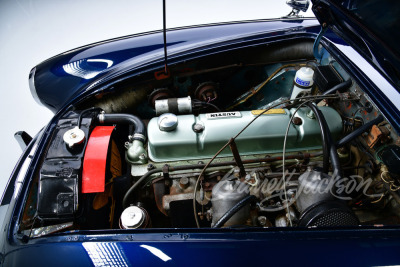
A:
(165, 171)
(237, 158)
(23, 139)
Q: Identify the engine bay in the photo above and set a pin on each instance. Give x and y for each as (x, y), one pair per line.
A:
(263, 137)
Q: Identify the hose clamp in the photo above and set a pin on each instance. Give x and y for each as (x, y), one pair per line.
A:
(100, 117)
(139, 136)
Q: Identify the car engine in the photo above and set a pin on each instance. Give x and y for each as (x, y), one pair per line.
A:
(259, 137)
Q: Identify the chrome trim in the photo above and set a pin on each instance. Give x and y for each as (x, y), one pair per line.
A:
(100, 118)
(23, 171)
(32, 86)
(297, 6)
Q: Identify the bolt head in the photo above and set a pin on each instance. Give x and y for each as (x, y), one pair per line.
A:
(184, 182)
(150, 167)
(198, 128)
(297, 121)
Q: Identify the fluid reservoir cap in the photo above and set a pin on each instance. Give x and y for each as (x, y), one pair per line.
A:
(74, 137)
(132, 217)
(167, 122)
(304, 77)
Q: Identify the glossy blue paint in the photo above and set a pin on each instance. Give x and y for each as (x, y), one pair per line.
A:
(58, 88)
(62, 77)
(371, 28)
(226, 248)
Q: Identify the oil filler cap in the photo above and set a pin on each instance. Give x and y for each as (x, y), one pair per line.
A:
(74, 137)
(167, 122)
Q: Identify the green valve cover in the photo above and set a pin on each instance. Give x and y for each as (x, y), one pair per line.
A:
(199, 137)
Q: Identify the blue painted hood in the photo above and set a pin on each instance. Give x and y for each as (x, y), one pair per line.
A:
(371, 27)
(58, 80)
(286, 248)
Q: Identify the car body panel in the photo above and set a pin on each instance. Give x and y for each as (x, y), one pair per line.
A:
(370, 27)
(311, 248)
(56, 80)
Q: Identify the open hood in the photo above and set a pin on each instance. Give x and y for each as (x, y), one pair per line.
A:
(370, 27)
(58, 80)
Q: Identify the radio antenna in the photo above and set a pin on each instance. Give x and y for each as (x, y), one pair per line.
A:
(165, 38)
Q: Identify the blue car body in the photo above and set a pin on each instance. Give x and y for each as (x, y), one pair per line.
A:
(101, 65)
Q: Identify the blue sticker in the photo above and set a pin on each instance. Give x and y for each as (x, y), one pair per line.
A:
(302, 83)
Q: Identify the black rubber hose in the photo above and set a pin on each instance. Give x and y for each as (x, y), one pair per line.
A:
(359, 131)
(233, 211)
(125, 201)
(201, 104)
(86, 111)
(139, 132)
(325, 143)
(212, 105)
(339, 87)
(336, 166)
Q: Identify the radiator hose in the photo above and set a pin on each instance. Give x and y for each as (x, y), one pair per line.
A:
(139, 132)
(135, 152)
